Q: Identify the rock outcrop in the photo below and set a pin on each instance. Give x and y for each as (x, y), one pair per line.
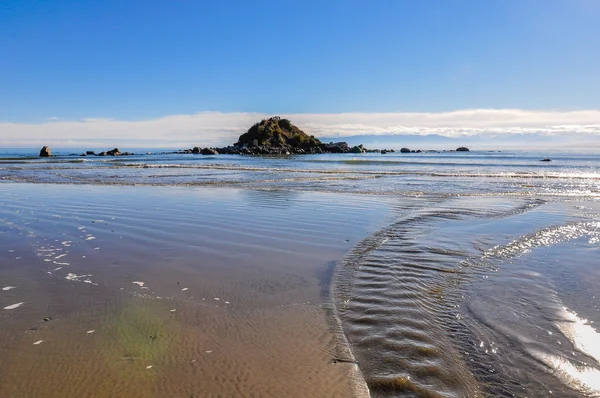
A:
(277, 136)
(357, 149)
(277, 133)
(45, 152)
(112, 152)
(462, 149)
(209, 151)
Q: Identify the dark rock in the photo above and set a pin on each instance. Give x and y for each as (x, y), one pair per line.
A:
(83, 154)
(383, 151)
(114, 152)
(404, 150)
(196, 150)
(335, 147)
(45, 152)
(462, 149)
(90, 153)
(546, 160)
(356, 149)
(209, 151)
(276, 132)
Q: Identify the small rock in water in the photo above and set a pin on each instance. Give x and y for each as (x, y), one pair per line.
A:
(47, 319)
(149, 367)
(45, 152)
(546, 160)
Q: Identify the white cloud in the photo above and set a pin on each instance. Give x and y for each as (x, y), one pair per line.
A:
(216, 128)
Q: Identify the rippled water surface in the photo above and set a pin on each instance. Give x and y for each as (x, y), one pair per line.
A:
(456, 274)
(394, 173)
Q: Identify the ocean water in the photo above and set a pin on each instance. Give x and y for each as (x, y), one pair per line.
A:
(483, 282)
(446, 173)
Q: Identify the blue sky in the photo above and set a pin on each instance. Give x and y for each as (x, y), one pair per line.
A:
(146, 60)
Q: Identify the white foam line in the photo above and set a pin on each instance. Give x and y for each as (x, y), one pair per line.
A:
(5, 288)
(580, 333)
(61, 256)
(38, 342)
(91, 331)
(184, 289)
(90, 238)
(140, 284)
(57, 263)
(13, 306)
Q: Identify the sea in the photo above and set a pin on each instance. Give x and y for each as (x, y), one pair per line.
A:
(484, 279)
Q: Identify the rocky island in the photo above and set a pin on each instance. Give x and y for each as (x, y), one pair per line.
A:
(277, 136)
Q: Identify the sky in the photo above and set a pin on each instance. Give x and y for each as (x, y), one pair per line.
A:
(180, 73)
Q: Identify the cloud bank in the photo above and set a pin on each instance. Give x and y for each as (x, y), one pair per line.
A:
(220, 129)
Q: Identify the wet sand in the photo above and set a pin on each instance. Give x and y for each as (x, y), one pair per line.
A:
(173, 291)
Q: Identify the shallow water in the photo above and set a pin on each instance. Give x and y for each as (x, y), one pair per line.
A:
(155, 291)
(478, 297)
(463, 274)
(447, 173)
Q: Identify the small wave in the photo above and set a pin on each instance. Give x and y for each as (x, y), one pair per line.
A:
(580, 333)
(544, 237)
(582, 378)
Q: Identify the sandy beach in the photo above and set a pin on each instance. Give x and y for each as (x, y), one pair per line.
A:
(171, 291)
